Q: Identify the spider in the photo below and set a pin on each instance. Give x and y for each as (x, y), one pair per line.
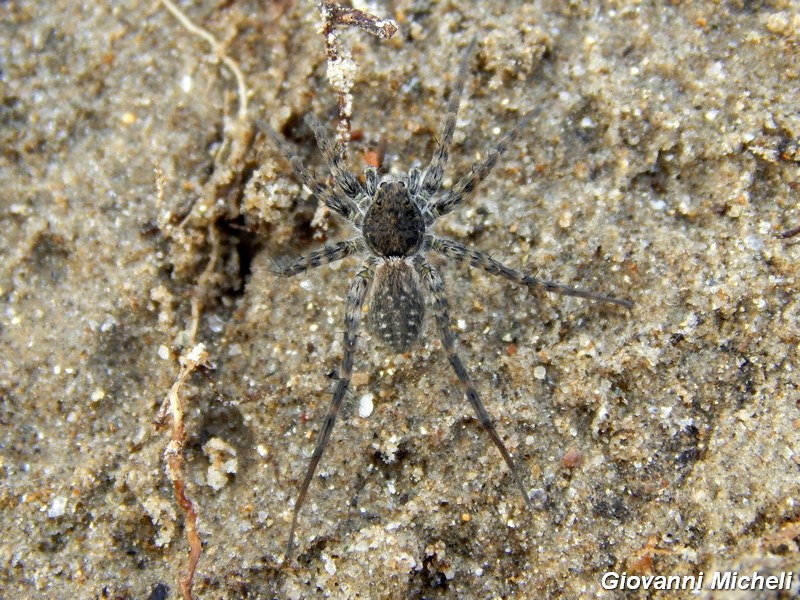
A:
(392, 218)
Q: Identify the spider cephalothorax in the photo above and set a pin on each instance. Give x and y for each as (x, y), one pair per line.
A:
(393, 225)
(392, 220)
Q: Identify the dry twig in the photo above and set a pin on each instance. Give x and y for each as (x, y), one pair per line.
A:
(225, 183)
(173, 455)
(341, 66)
(218, 50)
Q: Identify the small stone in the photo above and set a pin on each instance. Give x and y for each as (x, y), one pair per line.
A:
(57, 507)
(365, 406)
(572, 459)
(223, 462)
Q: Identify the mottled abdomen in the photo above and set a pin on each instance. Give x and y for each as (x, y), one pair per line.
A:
(396, 306)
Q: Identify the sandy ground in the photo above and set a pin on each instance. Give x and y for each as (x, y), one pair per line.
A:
(662, 168)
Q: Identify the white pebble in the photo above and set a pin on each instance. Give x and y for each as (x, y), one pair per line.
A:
(57, 507)
(365, 406)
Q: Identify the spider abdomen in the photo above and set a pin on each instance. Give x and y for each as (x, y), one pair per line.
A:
(396, 306)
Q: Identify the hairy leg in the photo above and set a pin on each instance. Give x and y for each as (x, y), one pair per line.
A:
(323, 256)
(371, 180)
(434, 172)
(329, 196)
(355, 301)
(475, 258)
(480, 171)
(435, 287)
(344, 179)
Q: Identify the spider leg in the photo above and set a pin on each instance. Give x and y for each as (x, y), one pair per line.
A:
(371, 179)
(333, 157)
(435, 170)
(320, 257)
(475, 258)
(329, 196)
(355, 301)
(441, 313)
(480, 171)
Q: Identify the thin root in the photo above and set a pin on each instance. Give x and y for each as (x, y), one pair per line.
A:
(173, 456)
(218, 50)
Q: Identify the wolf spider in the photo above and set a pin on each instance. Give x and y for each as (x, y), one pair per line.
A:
(392, 218)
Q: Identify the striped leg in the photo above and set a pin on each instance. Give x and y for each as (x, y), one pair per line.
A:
(480, 171)
(344, 179)
(434, 172)
(352, 320)
(475, 258)
(323, 256)
(329, 196)
(435, 287)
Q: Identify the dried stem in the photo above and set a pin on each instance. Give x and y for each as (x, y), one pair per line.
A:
(173, 455)
(219, 51)
(352, 17)
(227, 177)
(341, 66)
(204, 281)
(224, 180)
